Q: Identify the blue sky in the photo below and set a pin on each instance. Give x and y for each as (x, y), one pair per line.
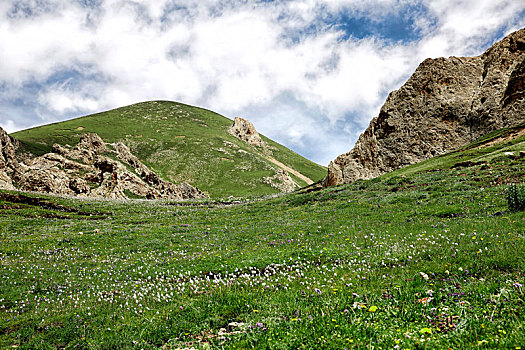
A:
(310, 74)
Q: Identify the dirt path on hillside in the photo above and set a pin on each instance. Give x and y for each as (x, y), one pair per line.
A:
(511, 136)
(290, 170)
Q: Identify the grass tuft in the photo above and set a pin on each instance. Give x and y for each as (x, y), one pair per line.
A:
(516, 197)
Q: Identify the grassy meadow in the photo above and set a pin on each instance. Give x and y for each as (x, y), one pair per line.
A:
(428, 257)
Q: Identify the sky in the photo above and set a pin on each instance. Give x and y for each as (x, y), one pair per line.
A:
(310, 74)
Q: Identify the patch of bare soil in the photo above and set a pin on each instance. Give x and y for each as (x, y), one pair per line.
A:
(513, 135)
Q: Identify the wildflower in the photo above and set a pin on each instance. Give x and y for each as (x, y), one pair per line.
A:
(358, 305)
(317, 290)
(424, 276)
(425, 301)
(519, 285)
(373, 308)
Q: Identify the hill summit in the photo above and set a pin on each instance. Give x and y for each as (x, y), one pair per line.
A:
(446, 104)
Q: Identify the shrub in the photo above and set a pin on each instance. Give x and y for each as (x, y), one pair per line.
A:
(516, 197)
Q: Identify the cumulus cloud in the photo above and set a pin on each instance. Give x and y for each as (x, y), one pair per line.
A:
(309, 73)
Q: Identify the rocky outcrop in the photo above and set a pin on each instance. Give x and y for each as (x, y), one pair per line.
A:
(8, 162)
(245, 131)
(90, 169)
(282, 181)
(447, 103)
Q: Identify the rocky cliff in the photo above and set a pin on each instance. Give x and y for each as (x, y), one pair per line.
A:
(446, 103)
(92, 168)
(8, 162)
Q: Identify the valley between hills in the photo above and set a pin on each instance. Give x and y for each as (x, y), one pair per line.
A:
(172, 227)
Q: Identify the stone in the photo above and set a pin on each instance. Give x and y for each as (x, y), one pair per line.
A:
(59, 149)
(245, 131)
(446, 104)
(46, 180)
(8, 161)
(88, 170)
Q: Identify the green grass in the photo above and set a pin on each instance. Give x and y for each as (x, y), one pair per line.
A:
(430, 260)
(180, 143)
(481, 151)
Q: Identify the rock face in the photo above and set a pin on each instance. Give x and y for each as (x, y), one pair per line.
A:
(447, 103)
(90, 169)
(244, 130)
(8, 162)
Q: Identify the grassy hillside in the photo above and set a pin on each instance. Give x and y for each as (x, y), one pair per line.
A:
(181, 143)
(429, 257)
(482, 151)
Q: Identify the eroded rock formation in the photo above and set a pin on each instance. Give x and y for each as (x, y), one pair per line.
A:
(8, 162)
(245, 131)
(90, 169)
(447, 103)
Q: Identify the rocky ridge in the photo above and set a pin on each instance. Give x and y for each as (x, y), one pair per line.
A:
(447, 103)
(92, 168)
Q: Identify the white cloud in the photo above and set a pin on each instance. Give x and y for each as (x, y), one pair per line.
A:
(285, 65)
(9, 126)
(463, 27)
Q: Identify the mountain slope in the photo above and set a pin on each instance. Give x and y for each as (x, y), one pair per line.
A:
(181, 143)
(445, 104)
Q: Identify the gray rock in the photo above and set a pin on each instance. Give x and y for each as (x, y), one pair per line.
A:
(8, 162)
(88, 170)
(446, 104)
(245, 131)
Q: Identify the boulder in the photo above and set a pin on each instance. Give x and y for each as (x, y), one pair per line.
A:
(49, 180)
(245, 131)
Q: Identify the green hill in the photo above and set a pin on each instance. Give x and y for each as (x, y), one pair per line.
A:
(181, 143)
